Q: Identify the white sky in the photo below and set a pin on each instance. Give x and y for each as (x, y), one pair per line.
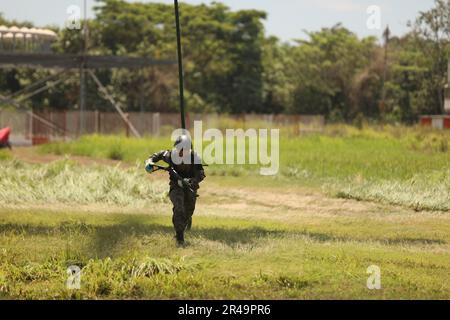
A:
(286, 18)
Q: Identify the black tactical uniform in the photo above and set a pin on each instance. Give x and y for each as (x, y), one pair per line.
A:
(182, 198)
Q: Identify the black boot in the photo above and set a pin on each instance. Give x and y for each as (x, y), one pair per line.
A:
(180, 238)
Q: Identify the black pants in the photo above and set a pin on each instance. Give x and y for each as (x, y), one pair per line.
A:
(183, 207)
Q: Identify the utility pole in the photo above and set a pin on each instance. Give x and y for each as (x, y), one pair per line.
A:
(386, 37)
(83, 71)
(180, 65)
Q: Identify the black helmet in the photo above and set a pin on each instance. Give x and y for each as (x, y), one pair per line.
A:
(183, 142)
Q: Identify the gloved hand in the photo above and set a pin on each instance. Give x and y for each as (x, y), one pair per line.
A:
(149, 166)
(185, 182)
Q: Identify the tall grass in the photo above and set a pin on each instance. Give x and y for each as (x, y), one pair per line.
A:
(67, 183)
(101, 277)
(429, 191)
(109, 147)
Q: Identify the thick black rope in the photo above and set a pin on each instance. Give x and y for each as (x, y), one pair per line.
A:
(180, 65)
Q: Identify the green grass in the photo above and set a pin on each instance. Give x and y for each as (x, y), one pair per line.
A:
(109, 147)
(397, 165)
(133, 256)
(5, 155)
(64, 182)
(115, 224)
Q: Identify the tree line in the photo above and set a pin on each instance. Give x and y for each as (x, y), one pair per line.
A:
(232, 66)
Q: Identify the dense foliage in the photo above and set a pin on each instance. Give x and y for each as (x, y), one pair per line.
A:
(233, 67)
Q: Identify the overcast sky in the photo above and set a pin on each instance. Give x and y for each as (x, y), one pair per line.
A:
(286, 18)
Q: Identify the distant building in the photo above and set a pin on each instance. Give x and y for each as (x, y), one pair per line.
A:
(15, 39)
(440, 121)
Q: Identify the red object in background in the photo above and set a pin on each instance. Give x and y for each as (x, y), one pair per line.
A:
(4, 135)
(447, 123)
(426, 122)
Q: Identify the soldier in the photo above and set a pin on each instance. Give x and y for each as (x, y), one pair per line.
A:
(184, 182)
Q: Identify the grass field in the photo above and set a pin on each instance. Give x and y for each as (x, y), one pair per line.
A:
(401, 166)
(133, 256)
(345, 200)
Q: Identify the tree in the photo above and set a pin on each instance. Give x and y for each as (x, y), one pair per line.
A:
(277, 86)
(324, 69)
(232, 66)
(432, 29)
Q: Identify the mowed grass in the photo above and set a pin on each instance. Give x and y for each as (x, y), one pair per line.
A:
(134, 256)
(65, 182)
(396, 165)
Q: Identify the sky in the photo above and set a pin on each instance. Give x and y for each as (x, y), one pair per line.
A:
(287, 19)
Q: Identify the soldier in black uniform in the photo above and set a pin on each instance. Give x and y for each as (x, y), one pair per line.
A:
(184, 182)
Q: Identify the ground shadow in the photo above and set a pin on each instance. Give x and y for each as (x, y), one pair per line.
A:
(105, 238)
